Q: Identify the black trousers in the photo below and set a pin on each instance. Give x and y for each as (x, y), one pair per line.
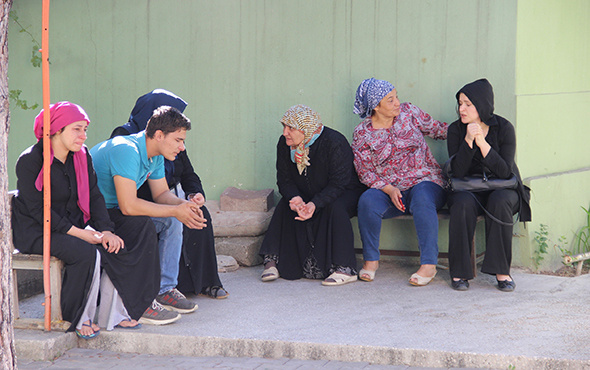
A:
(502, 204)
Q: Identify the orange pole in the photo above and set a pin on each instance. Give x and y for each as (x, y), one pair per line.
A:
(46, 164)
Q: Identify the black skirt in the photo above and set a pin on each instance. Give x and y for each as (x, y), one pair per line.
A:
(198, 261)
(327, 238)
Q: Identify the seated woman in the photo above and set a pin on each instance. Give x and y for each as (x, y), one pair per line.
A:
(392, 157)
(130, 279)
(481, 141)
(310, 234)
(198, 262)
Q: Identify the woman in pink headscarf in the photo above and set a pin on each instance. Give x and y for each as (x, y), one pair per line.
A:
(79, 224)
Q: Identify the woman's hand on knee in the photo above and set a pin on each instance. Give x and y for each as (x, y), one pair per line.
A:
(89, 236)
(111, 242)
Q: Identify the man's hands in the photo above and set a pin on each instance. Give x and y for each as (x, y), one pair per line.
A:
(190, 214)
(304, 210)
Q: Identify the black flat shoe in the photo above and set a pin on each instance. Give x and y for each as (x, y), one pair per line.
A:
(506, 285)
(460, 284)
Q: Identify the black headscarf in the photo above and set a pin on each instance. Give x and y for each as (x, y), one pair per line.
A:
(143, 111)
(145, 106)
(481, 94)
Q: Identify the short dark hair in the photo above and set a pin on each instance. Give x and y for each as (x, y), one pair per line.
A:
(166, 119)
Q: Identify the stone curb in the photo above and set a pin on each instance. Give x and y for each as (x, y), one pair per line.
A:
(166, 345)
(38, 345)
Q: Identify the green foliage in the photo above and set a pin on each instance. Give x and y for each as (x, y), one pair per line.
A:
(543, 241)
(15, 96)
(541, 238)
(582, 237)
(35, 62)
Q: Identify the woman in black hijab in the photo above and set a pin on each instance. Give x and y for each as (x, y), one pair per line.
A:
(483, 142)
(198, 262)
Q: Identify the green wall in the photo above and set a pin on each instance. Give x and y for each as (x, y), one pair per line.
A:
(241, 64)
(552, 100)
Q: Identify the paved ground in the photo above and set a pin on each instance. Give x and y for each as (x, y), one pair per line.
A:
(543, 324)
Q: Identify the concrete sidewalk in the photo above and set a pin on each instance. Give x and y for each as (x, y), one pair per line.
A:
(544, 324)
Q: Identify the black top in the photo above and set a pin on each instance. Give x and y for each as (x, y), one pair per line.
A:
(469, 161)
(498, 163)
(28, 205)
(330, 173)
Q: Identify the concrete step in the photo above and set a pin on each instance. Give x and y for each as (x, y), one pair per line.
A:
(234, 199)
(243, 248)
(238, 223)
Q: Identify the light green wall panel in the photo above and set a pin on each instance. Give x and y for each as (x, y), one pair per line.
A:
(553, 96)
(551, 139)
(556, 202)
(553, 46)
(241, 64)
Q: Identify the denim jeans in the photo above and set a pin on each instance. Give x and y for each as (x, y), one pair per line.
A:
(422, 201)
(169, 231)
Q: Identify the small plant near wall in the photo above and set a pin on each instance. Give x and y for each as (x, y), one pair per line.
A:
(15, 94)
(582, 237)
(543, 241)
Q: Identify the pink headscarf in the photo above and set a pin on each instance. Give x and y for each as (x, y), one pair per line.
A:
(62, 114)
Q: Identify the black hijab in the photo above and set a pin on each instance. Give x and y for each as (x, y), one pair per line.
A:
(481, 94)
(143, 111)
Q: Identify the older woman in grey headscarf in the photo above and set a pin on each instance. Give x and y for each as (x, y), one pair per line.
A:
(392, 158)
(310, 234)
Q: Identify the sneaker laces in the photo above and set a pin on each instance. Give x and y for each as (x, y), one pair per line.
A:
(176, 294)
(156, 306)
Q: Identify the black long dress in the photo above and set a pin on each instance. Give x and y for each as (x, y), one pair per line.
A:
(198, 261)
(134, 271)
(312, 248)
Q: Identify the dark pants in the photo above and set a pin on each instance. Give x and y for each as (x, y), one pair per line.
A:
(502, 204)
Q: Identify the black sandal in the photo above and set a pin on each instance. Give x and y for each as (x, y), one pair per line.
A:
(215, 292)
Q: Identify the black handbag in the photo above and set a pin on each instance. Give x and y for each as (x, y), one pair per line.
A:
(473, 184)
(481, 183)
(477, 183)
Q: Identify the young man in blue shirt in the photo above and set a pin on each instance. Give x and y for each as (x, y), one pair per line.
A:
(122, 165)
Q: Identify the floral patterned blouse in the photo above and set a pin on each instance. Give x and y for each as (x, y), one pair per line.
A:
(398, 155)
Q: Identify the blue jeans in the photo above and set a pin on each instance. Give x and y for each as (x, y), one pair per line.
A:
(421, 200)
(169, 231)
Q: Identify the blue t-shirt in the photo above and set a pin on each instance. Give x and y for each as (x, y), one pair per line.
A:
(125, 156)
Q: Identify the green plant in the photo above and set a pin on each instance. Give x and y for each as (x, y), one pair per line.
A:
(35, 62)
(541, 238)
(582, 237)
(543, 241)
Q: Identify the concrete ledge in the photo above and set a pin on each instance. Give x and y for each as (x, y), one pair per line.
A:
(39, 345)
(158, 344)
(234, 199)
(238, 223)
(243, 249)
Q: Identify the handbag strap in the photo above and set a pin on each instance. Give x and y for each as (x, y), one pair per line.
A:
(490, 215)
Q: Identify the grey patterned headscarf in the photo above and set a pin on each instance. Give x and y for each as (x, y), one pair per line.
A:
(368, 95)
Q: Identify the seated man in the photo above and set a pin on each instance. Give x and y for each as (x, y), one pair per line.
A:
(122, 165)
